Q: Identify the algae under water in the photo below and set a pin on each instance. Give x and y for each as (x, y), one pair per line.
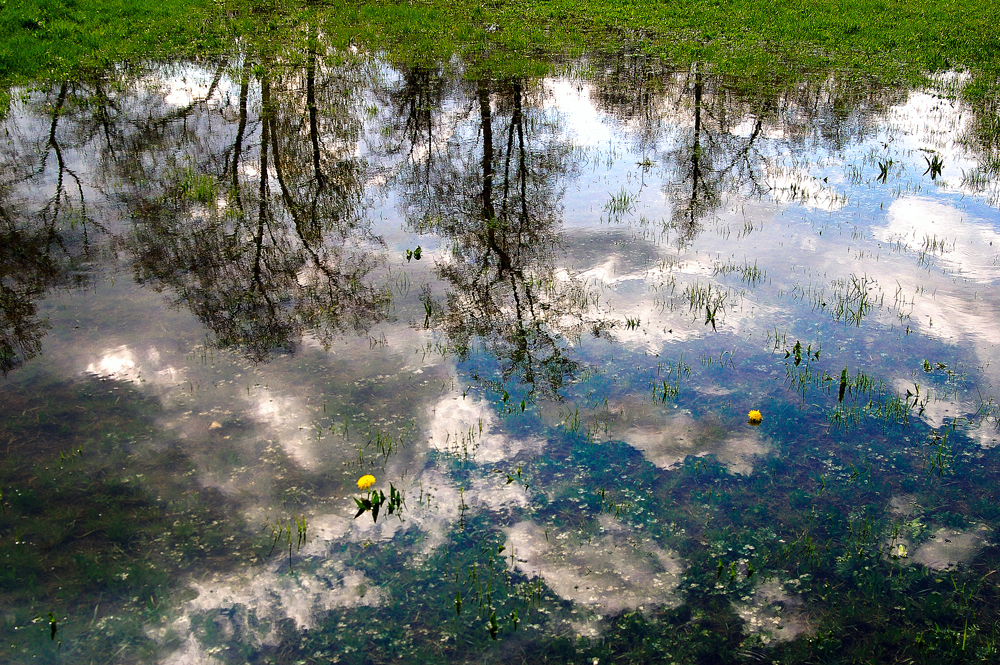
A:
(538, 311)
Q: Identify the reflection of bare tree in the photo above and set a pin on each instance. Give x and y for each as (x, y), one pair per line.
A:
(44, 231)
(495, 196)
(710, 134)
(27, 270)
(685, 120)
(634, 91)
(416, 106)
(244, 203)
(269, 245)
(709, 160)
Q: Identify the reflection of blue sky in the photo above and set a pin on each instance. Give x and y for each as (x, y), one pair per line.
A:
(828, 230)
(947, 303)
(832, 228)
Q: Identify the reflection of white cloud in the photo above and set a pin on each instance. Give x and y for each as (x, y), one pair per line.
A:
(580, 117)
(986, 434)
(929, 121)
(748, 126)
(468, 427)
(249, 608)
(191, 84)
(936, 408)
(119, 364)
(666, 439)
(947, 236)
(654, 298)
(434, 505)
(949, 547)
(954, 317)
(957, 305)
(494, 493)
(794, 185)
(773, 613)
(945, 547)
(904, 505)
(606, 273)
(608, 573)
(285, 415)
(124, 364)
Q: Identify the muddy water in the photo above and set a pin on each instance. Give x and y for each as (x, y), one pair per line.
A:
(539, 309)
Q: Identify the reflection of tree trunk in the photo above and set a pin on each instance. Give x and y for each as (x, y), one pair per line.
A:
(240, 130)
(506, 169)
(104, 116)
(54, 146)
(486, 121)
(312, 234)
(516, 127)
(306, 218)
(271, 122)
(489, 213)
(311, 105)
(522, 155)
(265, 112)
(696, 151)
(314, 230)
(522, 169)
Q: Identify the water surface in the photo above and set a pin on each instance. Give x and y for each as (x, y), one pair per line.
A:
(541, 310)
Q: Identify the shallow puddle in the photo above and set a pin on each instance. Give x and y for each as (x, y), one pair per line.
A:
(538, 313)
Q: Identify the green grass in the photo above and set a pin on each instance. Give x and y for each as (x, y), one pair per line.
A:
(767, 39)
(59, 37)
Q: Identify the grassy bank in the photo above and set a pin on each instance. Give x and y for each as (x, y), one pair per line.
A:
(882, 38)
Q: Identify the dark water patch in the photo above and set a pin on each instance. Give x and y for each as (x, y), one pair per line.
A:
(99, 517)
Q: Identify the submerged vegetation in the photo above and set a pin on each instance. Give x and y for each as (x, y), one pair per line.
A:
(113, 518)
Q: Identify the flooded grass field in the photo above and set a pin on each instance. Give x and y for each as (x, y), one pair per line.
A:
(643, 367)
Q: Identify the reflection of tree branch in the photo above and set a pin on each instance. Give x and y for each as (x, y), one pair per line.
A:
(266, 113)
(313, 113)
(54, 205)
(27, 269)
(499, 207)
(710, 160)
(240, 129)
(183, 112)
(333, 279)
(258, 280)
(105, 117)
(38, 251)
(419, 95)
(518, 121)
(486, 128)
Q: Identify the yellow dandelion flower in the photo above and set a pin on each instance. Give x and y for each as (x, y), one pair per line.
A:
(366, 481)
(754, 417)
